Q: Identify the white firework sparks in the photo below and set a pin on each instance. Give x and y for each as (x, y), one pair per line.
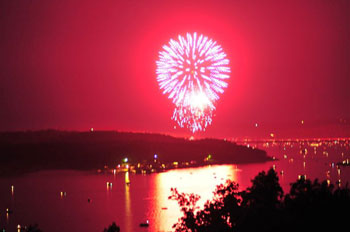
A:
(192, 72)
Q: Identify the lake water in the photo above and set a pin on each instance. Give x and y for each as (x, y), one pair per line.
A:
(58, 199)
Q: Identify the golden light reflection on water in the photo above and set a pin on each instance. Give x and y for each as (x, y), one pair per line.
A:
(128, 213)
(201, 181)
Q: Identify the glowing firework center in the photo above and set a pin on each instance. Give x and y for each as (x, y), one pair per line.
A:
(192, 72)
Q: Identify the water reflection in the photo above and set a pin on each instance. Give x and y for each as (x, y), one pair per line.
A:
(128, 214)
(7, 216)
(201, 181)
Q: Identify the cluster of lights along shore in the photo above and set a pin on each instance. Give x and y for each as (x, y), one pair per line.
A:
(193, 71)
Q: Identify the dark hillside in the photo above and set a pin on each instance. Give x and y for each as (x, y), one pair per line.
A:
(50, 149)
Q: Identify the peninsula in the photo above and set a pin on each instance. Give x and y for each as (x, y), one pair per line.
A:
(27, 151)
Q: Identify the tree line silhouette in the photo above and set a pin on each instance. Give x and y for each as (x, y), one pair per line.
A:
(27, 151)
(309, 206)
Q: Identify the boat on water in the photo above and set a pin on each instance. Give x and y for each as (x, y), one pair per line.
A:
(144, 224)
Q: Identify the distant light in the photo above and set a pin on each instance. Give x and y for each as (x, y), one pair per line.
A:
(155, 156)
(125, 160)
(302, 122)
(314, 145)
(272, 135)
(256, 124)
(91, 129)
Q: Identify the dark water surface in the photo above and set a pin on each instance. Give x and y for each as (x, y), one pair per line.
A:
(58, 200)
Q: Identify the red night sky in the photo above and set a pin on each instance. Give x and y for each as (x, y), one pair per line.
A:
(72, 65)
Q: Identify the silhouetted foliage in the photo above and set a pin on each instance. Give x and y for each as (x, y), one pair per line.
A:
(112, 228)
(264, 207)
(312, 204)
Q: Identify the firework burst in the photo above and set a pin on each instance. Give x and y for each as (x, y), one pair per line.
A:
(192, 71)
